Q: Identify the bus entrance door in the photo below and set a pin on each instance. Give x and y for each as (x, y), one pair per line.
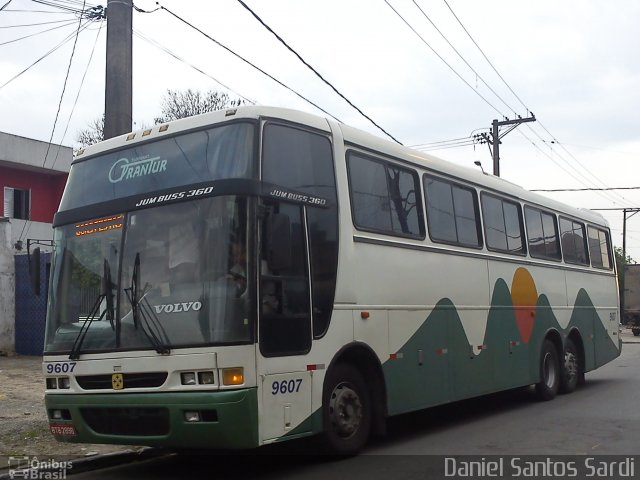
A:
(284, 330)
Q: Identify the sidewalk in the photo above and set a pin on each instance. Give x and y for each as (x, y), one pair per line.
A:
(627, 336)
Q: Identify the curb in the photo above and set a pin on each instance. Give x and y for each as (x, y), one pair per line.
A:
(85, 464)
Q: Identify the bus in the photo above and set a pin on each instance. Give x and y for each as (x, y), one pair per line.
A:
(255, 275)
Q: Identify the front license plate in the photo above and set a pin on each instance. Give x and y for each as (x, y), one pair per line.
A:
(62, 429)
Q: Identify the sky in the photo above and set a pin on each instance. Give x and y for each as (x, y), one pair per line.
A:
(426, 71)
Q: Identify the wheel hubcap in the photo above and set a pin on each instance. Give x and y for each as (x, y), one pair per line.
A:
(570, 366)
(345, 410)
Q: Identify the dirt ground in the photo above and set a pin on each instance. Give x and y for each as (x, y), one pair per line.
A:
(24, 430)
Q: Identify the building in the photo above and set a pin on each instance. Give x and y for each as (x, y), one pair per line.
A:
(32, 179)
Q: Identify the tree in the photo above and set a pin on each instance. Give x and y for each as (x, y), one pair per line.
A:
(621, 261)
(174, 104)
(187, 103)
(94, 133)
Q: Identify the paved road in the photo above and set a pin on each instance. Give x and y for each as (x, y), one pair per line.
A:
(602, 418)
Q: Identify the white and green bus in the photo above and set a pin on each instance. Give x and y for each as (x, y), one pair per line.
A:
(256, 275)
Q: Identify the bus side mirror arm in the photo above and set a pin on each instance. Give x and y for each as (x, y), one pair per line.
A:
(34, 270)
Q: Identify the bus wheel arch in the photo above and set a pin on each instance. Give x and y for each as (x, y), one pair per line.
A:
(353, 364)
(549, 366)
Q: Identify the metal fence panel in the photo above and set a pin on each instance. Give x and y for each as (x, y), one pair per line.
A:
(31, 310)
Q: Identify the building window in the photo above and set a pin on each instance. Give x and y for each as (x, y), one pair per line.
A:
(16, 203)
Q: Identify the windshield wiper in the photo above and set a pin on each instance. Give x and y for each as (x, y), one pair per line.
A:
(107, 291)
(144, 315)
(106, 295)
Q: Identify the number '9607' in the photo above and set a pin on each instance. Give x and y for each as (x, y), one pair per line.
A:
(286, 386)
(62, 367)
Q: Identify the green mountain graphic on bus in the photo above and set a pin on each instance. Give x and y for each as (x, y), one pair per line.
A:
(508, 356)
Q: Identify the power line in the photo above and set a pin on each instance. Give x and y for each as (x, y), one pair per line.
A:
(36, 24)
(247, 61)
(281, 40)
(447, 147)
(35, 11)
(464, 59)
(65, 40)
(442, 59)
(68, 6)
(584, 189)
(486, 58)
(73, 108)
(597, 181)
(39, 33)
(5, 5)
(438, 142)
(474, 90)
(180, 59)
(64, 87)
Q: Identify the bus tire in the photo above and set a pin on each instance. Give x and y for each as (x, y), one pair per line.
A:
(550, 374)
(571, 368)
(346, 411)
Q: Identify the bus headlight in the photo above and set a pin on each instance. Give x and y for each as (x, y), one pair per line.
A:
(233, 376)
(64, 383)
(191, 417)
(52, 384)
(188, 378)
(206, 378)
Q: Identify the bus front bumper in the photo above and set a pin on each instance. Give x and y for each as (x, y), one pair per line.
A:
(214, 419)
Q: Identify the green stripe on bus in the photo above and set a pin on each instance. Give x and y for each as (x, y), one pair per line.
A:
(234, 424)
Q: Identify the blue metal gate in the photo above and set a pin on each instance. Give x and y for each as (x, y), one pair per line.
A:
(31, 310)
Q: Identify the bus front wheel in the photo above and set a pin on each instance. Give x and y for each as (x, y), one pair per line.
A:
(549, 383)
(346, 409)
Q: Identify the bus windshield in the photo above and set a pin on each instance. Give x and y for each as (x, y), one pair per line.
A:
(180, 279)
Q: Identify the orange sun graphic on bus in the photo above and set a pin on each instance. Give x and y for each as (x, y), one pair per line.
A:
(524, 297)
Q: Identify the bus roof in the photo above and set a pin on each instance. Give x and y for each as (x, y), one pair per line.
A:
(351, 135)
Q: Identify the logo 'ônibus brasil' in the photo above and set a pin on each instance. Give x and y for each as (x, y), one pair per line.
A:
(125, 169)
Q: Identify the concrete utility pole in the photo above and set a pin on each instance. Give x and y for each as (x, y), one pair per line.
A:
(493, 139)
(118, 98)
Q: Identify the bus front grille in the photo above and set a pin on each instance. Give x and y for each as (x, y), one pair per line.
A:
(135, 421)
(131, 380)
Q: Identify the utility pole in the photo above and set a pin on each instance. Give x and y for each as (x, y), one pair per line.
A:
(493, 138)
(633, 211)
(118, 80)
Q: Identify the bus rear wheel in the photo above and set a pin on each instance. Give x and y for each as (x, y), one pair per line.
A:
(549, 383)
(571, 368)
(346, 412)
